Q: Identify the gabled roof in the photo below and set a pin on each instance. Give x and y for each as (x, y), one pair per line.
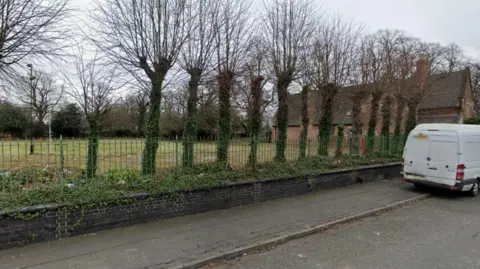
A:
(444, 91)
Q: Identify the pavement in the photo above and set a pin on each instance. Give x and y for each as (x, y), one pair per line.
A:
(165, 244)
(440, 232)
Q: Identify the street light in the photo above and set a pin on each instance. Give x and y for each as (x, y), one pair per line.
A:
(32, 99)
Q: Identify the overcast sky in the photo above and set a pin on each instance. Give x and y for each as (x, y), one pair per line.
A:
(443, 21)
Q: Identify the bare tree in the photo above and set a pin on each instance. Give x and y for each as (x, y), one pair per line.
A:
(196, 57)
(288, 28)
(41, 94)
(31, 30)
(475, 76)
(94, 90)
(144, 35)
(333, 64)
(453, 58)
(233, 31)
(435, 53)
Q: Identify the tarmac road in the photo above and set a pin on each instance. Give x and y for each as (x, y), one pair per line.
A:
(440, 232)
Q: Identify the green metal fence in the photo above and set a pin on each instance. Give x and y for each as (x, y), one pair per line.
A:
(69, 154)
(57, 168)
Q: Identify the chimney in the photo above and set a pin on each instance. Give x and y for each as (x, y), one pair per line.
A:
(422, 72)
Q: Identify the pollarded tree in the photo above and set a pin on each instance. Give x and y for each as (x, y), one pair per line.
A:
(144, 35)
(196, 57)
(94, 91)
(333, 64)
(232, 37)
(288, 28)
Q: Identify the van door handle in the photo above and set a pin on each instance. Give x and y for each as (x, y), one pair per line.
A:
(433, 168)
(429, 159)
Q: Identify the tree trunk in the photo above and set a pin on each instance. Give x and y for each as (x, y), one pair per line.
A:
(255, 118)
(386, 121)
(412, 116)
(305, 123)
(283, 82)
(92, 155)
(398, 125)
(372, 122)
(356, 127)
(142, 110)
(152, 127)
(225, 80)
(190, 130)
(325, 124)
(340, 138)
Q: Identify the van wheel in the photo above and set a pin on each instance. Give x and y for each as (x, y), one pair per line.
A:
(474, 191)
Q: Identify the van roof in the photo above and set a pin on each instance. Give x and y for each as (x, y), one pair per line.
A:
(447, 127)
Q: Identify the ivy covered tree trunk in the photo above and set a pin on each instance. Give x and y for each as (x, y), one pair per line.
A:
(225, 80)
(255, 118)
(325, 125)
(282, 117)
(340, 138)
(92, 153)
(398, 125)
(372, 122)
(386, 121)
(412, 116)
(152, 131)
(142, 111)
(356, 127)
(190, 129)
(305, 123)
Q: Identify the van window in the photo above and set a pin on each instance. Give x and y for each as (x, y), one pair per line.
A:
(442, 151)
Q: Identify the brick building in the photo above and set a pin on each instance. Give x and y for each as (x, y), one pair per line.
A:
(447, 98)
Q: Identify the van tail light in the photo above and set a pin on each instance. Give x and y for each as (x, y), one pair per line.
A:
(460, 172)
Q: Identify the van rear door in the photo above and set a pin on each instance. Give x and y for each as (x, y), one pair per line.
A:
(415, 155)
(443, 157)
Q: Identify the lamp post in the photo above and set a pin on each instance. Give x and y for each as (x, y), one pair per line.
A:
(32, 99)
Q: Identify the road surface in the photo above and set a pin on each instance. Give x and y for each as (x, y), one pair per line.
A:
(440, 232)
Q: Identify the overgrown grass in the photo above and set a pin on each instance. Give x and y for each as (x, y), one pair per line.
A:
(31, 187)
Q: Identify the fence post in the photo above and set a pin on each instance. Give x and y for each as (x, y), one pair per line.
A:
(61, 164)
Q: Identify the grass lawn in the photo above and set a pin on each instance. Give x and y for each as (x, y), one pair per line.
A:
(127, 153)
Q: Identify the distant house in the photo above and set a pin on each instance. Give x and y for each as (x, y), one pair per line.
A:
(447, 99)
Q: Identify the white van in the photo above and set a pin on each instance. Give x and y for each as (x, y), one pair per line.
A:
(443, 155)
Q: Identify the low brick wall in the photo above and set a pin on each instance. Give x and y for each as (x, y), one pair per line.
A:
(52, 222)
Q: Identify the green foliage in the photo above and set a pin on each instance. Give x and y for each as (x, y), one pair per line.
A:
(153, 128)
(325, 129)
(386, 115)
(92, 155)
(225, 80)
(372, 122)
(255, 118)
(475, 120)
(190, 128)
(13, 120)
(116, 186)
(305, 123)
(340, 138)
(283, 81)
(68, 121)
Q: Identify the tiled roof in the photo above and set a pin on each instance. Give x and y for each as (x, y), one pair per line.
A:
(444, 90)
